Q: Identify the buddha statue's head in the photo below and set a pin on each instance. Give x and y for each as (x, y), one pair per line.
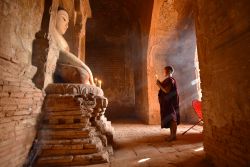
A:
(62, 21)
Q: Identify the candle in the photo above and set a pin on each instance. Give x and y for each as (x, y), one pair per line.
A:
(96, 81)
(99, 83)
(156, 76)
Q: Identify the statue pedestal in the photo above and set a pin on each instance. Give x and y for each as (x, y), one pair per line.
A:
(73, 129)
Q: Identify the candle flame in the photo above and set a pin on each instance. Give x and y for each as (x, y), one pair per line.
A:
(99, 83)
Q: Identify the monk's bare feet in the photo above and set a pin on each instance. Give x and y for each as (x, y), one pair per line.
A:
(171, 138)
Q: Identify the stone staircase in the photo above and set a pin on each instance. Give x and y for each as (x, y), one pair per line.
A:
(73, 129)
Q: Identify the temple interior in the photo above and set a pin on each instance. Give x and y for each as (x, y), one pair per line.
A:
(78, 82)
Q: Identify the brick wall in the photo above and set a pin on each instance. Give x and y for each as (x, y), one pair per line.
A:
(116, 45)
(130, 49)
(223, 45)
(109, 55)
(20, 100)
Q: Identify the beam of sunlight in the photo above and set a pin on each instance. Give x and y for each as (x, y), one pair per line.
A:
(199, 149)
(143, 160)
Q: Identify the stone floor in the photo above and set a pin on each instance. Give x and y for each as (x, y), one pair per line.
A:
(139, 145)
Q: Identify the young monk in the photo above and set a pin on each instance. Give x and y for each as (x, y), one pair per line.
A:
(169, 103)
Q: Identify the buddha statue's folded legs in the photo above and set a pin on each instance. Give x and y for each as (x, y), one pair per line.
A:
(72, 69)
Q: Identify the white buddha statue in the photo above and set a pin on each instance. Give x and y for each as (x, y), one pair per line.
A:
(73, 67)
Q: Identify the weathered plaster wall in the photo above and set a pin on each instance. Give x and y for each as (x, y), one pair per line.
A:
(172, 42)
(20, 100)
(223, 33)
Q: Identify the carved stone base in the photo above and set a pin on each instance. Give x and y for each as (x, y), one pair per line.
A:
(74, 130)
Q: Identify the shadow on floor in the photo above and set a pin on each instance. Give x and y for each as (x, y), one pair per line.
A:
(154, 139)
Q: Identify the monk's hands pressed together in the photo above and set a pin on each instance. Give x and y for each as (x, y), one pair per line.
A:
(158, 82)
(165, 89)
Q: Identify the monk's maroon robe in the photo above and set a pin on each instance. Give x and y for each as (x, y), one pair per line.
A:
(169, 103)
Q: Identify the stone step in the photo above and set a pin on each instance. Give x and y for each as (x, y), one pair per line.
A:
(68, 146)
(56, 160)
(61, 108)
(73, 160)
(65, 126)
(94, 144)
(66, 134)
(61, 103)
(71, 141)
(61, 152)
(62, 113)
(65, 119)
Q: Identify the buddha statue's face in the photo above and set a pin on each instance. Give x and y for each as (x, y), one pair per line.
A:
(62, 21)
